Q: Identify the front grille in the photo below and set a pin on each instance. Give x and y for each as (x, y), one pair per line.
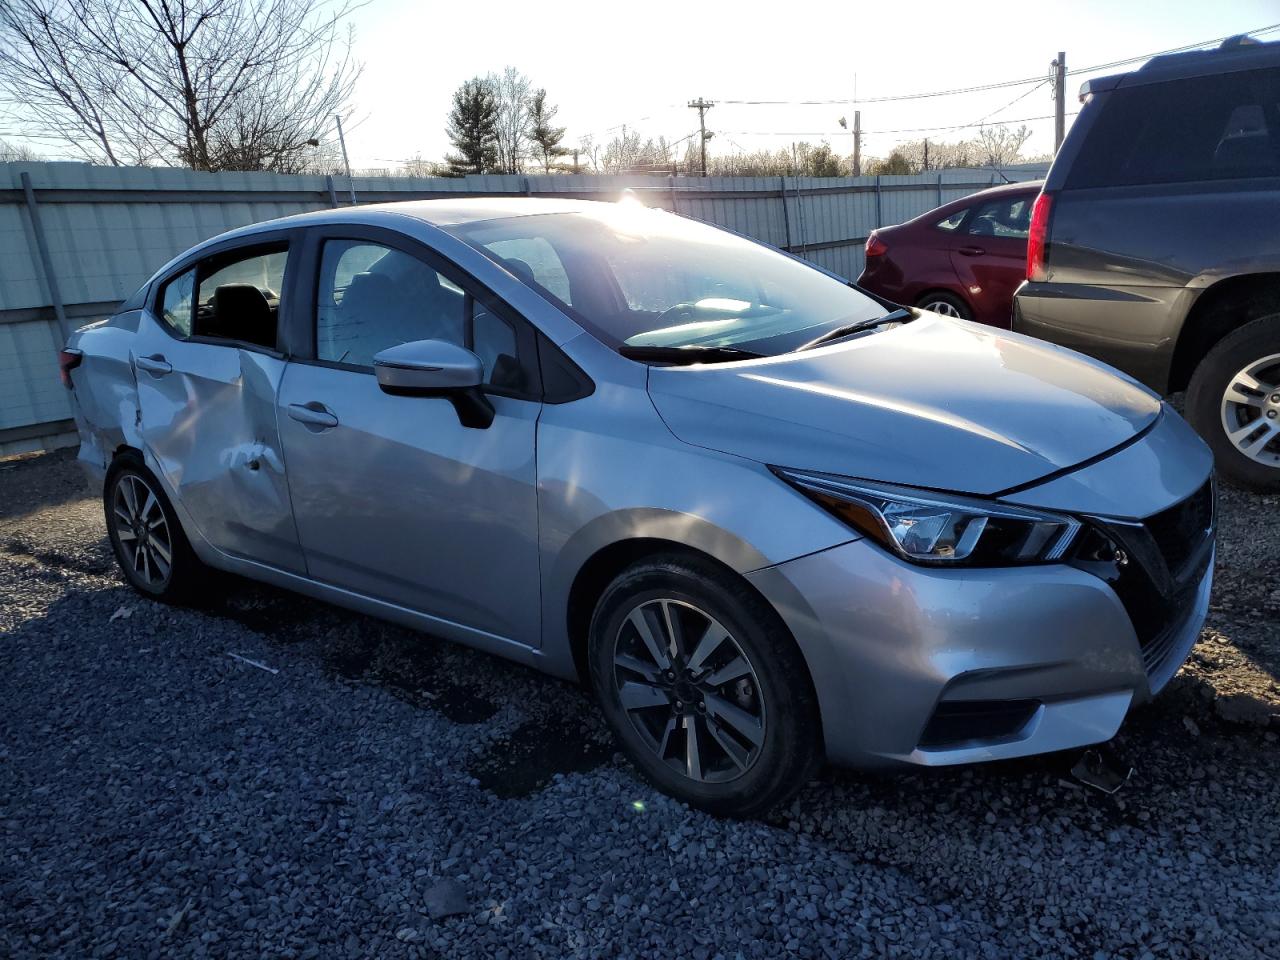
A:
(1180, 529)
(1155, 568)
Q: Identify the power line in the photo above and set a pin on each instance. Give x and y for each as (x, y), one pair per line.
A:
(828, 133)
(1001, 84)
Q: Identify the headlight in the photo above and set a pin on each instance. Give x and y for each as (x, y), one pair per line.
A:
(933, 528)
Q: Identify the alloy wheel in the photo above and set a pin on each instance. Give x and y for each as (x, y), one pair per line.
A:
(944, 307)
(689, 690)
(146, 544)
(1251, 411)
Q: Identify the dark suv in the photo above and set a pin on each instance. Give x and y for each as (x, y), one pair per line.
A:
(1155, 244)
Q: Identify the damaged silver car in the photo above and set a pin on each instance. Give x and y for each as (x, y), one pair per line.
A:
(767, 517)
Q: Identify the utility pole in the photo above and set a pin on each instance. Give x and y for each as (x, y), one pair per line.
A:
(345, 160)
(702, 106)
(857, 143)
(1059, 100)
(926, 153)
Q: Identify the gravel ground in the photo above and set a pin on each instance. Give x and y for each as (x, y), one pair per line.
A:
(377, 793)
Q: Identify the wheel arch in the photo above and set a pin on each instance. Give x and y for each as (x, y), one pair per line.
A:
(1225, 306)
(934, 290)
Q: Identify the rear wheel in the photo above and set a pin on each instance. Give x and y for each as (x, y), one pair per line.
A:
(1234, 403)
(148, 542)
(946, 304)
(704, 686)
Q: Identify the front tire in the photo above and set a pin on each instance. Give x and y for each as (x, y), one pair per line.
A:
(1234, 404)
(704, 686)
(150, 547)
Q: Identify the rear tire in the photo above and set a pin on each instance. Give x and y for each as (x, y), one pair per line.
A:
(1234, 404)
(150, 547)
(947, 304)
(727, 721)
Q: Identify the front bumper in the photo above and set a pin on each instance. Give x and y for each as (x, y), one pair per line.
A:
(890, 643)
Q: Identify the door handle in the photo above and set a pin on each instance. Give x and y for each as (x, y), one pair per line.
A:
(313, 414)
(971, 251)
(156, 364)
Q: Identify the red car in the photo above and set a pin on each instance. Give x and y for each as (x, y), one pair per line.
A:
(963, 259)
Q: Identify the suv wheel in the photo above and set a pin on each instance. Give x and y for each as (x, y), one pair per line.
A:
(704, 686)
(149, 544)
(1234, 403)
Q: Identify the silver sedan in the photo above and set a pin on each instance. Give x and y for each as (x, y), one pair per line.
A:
(769, 518)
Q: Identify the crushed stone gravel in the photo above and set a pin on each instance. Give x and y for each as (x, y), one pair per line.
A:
(387, 794)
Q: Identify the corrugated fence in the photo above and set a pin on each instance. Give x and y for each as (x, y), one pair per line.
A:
(76, 240)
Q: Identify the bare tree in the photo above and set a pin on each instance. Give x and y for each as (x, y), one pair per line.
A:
(543, 132)
(511, 88)
(9, 153)
(210, 84)
(998, 146)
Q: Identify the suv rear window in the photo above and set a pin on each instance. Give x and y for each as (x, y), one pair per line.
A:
(1221, 127)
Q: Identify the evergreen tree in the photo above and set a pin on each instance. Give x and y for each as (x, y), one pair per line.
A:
(545, 135)
(473, 128)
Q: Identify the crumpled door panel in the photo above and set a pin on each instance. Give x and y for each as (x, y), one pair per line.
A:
(211, 425)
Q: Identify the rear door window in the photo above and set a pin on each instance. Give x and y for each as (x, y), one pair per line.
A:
(1221, 127)
(952, 223)
(1008, 217)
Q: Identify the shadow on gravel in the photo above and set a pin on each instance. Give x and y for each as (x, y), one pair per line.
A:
(97, 562)
(525, 761)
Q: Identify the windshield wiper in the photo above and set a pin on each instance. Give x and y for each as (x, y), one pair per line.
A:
(901, 315)
(683, 355)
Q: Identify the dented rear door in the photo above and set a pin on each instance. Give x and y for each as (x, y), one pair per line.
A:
(207, 415)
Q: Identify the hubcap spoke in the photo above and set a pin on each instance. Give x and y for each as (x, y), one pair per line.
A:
(734, 750)
(161, 551)
(638, 696)
(130, 497)
(735, 668)
(735, 718)
(640, 621)
(1247, 390)
(710, 642)
(692, 753)
(664, 745)
(1253, 437)
(636, 665)
(124, 533)
(675, 633)
(148, 506)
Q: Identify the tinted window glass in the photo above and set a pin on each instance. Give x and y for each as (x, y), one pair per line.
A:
(238, 295)
(953, 221)
(1202, 128)
(645, 277)
(176, 301)
(372, 297)
(1007, 217)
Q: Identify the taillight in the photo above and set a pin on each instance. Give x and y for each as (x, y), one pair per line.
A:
(875, 246)
(1038, 237)
(68, 360)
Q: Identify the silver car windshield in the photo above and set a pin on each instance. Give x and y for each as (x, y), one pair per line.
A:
(638, 277)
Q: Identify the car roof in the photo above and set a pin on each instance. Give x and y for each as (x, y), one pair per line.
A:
(1235, 54)
(990, 193)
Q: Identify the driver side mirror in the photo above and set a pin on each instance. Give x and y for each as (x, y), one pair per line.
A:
(436, 368)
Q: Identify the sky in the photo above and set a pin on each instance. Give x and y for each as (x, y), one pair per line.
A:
(608, 64)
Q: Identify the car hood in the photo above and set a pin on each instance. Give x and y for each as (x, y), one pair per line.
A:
(935, 403)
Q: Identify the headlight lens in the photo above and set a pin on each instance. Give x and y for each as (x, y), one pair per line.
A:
(932, 528)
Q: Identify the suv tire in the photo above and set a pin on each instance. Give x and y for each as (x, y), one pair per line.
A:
(735, 683)
(1216, 405)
